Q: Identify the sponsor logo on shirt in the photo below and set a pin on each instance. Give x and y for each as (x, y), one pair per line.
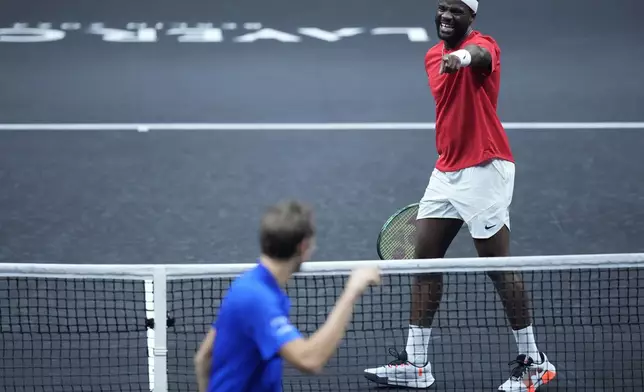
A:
(281, 326)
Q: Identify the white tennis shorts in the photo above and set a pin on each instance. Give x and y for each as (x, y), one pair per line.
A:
(480, 196)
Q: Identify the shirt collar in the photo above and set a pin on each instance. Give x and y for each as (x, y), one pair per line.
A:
(267, 277)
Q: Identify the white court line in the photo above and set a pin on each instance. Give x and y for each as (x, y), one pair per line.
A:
(144, 127)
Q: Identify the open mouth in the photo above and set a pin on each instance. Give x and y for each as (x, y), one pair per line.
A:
(447, 28)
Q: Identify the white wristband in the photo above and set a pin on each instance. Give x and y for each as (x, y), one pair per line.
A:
(464, 56)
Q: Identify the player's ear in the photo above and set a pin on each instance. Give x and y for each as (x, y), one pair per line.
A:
(306, 248)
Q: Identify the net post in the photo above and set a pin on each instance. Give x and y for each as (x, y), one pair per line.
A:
(149, 317)
(160, 329)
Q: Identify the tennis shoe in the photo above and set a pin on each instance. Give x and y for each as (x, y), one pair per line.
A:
(401, 372)
(528, 375)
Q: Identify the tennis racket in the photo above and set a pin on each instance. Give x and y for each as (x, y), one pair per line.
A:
(397, 237)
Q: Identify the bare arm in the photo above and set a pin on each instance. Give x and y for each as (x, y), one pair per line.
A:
(473, 56)
(310, 355)
(481, 58)
(203, 360)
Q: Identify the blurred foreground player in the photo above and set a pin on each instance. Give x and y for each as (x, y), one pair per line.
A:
(245, 348)
(472, 182)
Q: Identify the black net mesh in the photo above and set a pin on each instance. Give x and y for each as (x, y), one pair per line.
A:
(588, 322)
(81, 335)
(63, 335)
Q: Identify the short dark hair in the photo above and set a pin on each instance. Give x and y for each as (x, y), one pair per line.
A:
(283, 228)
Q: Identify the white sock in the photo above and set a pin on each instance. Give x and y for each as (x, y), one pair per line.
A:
(417, 342)
(526, 344)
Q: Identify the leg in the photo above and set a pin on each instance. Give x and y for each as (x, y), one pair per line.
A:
(436, 226)
(508, 285)
(533, 369)
(434, 237)
(486, 210)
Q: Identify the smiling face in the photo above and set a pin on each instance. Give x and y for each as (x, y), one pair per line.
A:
(453, 20)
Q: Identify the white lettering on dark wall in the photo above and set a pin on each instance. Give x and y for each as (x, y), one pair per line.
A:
(27, 34)
(249, 32)
(330, 36)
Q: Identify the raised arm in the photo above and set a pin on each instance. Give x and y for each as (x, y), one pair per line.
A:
(474, 56)
(479, 57)
(310, 355)
(274, 333)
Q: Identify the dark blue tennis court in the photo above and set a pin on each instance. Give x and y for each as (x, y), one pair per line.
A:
(194, 196)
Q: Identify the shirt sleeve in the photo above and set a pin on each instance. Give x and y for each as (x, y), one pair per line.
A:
(269, 326)
(491, 46)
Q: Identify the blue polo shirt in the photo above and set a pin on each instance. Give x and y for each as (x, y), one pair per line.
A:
(252, 326)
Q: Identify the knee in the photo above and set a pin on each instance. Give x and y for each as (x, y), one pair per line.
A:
(426, 251)
(431, 278)
(507, 281)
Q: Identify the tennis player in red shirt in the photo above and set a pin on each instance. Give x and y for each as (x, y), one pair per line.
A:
(472, 182)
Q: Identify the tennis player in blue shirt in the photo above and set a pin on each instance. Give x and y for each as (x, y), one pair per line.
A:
(245, 347)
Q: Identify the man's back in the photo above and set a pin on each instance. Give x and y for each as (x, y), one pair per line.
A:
(251, 326)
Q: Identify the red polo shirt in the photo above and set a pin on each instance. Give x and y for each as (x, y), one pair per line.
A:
(468, 129)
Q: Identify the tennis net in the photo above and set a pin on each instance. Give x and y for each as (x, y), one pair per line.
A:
(136, 327)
